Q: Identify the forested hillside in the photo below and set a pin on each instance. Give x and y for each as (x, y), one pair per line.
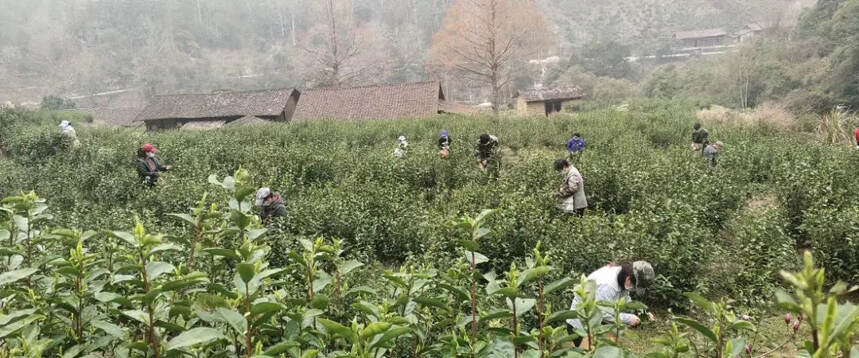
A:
(85, 46)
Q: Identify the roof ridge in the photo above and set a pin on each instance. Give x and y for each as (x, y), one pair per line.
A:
(231, 92)
(371, 86)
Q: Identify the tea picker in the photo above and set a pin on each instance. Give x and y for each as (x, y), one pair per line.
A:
(487, 152)
(270, 204)
(572, 189)
(575, 147)
(614, 282)
(70, 132)
(700, 138)
(444, 144)
(711, 152)
(149, 166)
(402, 147)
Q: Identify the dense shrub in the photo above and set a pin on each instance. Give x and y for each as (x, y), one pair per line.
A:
(650, 198)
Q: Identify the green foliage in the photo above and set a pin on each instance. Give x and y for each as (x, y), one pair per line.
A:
(834, 327)
(650, 199)
(138, 294)
(55, 103)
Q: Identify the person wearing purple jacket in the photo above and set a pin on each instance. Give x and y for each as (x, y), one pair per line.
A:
(575, 146)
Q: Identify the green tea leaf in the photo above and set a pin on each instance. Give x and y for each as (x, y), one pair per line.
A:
(265, 307)
(246, 271)
(233, 318)
(350, 265)
(338, 329)
(193, 337)
(558, 285)
(154, 269)
(561, 316)
(373, 329)
(700, 328)
(12, 276)
(9, 329)
(390, 335)
(280, 348)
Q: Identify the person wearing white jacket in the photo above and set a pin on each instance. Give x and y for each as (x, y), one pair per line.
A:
(614, 282)
(70, 132)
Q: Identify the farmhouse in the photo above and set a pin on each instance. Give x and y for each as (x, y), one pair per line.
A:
(545, 101)
(208, 111)
(416, 99)
(750, 31)
(701, 38)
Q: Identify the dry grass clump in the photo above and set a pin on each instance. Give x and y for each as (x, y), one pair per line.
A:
(769, 113)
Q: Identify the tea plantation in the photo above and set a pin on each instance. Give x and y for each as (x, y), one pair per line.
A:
(112, 287)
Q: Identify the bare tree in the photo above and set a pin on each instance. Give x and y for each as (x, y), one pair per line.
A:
(481, 38)
(339, 52)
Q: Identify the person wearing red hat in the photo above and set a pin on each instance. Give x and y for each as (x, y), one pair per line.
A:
(148, 165)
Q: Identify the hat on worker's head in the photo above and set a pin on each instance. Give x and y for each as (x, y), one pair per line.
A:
(262, 194)
(644, 275)
(149, 148)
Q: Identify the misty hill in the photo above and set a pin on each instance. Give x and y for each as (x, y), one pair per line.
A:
(82, 47)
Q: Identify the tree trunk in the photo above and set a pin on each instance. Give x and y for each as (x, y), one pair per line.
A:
(335, 56)
(494, 67)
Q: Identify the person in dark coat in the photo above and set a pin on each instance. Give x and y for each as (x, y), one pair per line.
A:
(700, 138)
(270, 204)
(149, 166)
(488, 153)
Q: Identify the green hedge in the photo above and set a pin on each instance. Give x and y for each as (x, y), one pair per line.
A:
(650, 197)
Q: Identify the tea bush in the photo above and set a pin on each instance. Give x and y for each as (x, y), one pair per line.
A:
(216, 287)
(650, 198)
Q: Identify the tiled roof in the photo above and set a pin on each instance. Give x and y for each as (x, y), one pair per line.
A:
(551, 94)
(697, 34)
(416, 99)
(190, 106)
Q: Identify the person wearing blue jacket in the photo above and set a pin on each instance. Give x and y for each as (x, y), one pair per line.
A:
(575, 146)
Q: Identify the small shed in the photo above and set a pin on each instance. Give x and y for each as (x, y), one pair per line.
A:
(414, 99)
(546, 101)
(701, 38)
(175, 111)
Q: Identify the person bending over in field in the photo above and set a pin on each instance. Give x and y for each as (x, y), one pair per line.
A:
(572, 189)
(711, 152)
(70, 132)
(700, 138)
(402, 147)
(149, 166)
(270, 205)
(487, 152)
(614, 282)
(575, 146)
(444, 144)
